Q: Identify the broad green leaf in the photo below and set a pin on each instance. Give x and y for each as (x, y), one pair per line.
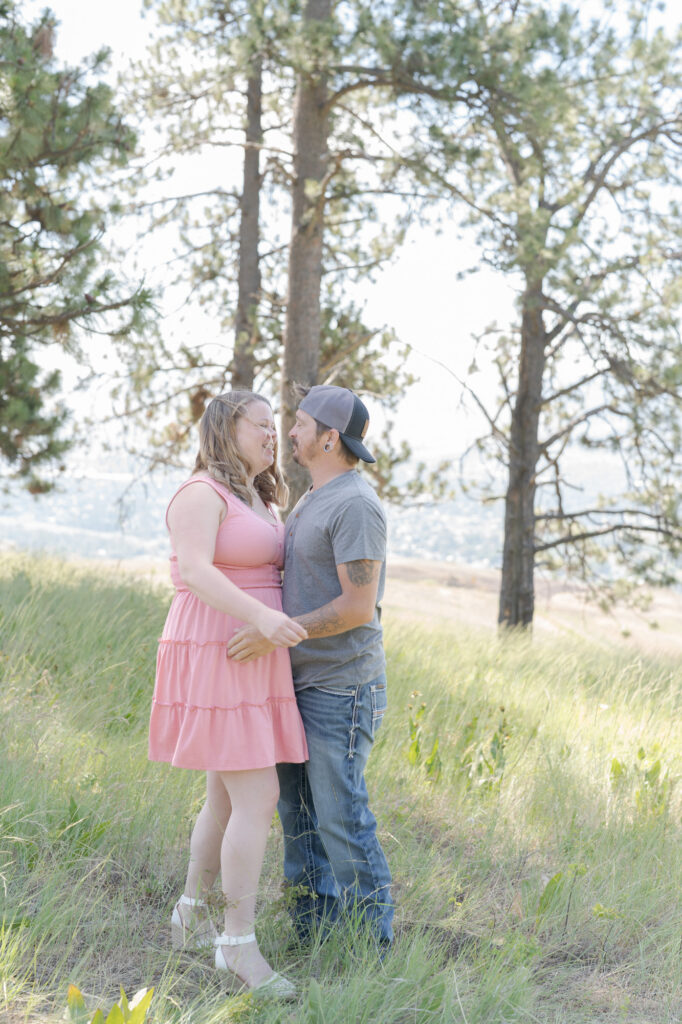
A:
(115, 1015)
(123, 1003)
(139, 1005)
(549, 894)
(76, 1004)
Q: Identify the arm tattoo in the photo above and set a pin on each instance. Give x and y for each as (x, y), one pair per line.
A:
(324, 621)
(361, 572)
(327, 621)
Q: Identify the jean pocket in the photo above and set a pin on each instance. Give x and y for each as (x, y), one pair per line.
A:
(379, 704)
(336, 691)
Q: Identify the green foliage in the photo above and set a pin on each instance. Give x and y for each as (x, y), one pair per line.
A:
(123, 1012)
(562, 151)
(79, 830)
(315, 1008)
(482, 761)
(61, 137)
(648, 780)
(477, 757)
(559, 889)
(28, 433)
(193, 89)
(431, 763)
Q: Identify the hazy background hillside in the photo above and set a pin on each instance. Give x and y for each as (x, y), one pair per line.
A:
(101, 514)
(108, 510)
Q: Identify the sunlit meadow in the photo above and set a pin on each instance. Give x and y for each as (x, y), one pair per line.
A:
(527, 795)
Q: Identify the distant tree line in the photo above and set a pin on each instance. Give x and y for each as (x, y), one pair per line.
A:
(554, 134)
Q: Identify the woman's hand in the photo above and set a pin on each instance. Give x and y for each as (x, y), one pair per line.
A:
(279, 629)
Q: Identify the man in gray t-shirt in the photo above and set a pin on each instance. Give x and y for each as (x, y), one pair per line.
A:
(334, 568)
(333, 525)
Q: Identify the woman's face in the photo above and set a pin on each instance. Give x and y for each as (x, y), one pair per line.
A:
(256, 436)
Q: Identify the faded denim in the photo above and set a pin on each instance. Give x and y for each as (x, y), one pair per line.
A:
(332, 856)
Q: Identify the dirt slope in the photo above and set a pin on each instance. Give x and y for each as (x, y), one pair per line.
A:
(437, 591)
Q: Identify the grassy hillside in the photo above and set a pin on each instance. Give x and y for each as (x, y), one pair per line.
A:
(526, 796)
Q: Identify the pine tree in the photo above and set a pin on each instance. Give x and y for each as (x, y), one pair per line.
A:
(213, 65)
(60, 133)
(567, 155)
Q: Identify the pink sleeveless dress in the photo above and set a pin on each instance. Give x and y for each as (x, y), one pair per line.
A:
(208, 712)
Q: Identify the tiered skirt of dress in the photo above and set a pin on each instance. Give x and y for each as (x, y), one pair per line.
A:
(209, 712)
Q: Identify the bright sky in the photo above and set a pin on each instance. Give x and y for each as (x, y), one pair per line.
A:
(418, 295)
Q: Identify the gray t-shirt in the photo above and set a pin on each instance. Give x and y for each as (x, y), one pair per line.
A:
(342, 521)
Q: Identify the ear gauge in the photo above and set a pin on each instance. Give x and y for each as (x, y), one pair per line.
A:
(328, 447)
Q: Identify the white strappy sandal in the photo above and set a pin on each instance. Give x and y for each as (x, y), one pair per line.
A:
(274, 987)
(200, 933)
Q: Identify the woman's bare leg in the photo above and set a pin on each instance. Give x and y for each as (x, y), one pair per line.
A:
(204, 856)
(207, 838)
(253, 797)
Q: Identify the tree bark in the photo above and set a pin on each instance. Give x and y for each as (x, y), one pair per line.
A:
(302, 326)
(246, 323)
(517, 594)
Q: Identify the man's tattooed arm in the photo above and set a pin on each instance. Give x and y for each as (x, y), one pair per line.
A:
(353, 607)
(324, 621)
(362, 572)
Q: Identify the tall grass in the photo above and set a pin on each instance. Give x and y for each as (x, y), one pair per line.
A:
(526, 797)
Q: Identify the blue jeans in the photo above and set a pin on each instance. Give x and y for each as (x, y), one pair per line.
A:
(332, 856)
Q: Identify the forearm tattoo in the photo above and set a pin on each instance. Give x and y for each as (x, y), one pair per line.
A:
(324, 621)
(361, 572)
(327, 620)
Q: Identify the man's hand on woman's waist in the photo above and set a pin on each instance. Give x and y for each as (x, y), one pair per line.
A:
(353, 607)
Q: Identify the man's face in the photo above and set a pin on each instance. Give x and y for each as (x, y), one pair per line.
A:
(305, 443)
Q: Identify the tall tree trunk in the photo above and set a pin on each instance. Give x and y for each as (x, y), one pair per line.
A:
(246, 324)
(517, 594)
(302, 327)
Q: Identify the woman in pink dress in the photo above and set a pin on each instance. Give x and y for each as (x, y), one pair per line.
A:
(234, 721)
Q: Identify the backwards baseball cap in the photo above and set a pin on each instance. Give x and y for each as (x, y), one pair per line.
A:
(341, 409)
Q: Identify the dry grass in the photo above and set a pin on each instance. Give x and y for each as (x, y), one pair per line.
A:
(535, 881)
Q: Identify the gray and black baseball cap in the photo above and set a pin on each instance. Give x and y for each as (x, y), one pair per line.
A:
(341, 409)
